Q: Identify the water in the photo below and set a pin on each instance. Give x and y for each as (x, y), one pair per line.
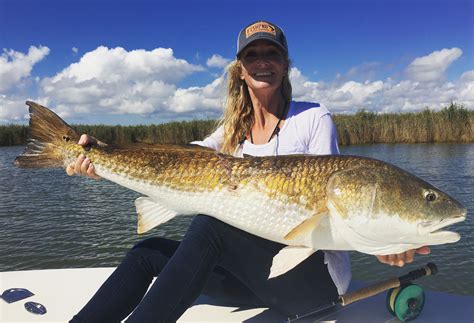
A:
(50, 220)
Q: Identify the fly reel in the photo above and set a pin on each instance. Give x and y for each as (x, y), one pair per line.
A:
(406, 301)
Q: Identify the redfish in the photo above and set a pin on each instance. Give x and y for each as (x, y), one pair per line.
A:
(306, 202)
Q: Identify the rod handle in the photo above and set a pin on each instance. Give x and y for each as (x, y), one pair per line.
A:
(368, 291)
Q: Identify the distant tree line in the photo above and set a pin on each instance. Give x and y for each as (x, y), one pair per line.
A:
(453, 123)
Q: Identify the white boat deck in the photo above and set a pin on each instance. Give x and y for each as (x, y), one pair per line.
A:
(64, 291)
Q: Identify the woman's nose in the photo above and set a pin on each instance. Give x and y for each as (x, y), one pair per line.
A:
(262, 60)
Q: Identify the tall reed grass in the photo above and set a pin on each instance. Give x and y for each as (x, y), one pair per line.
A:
(453, 123)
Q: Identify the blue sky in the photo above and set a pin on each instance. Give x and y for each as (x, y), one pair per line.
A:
(141, 61)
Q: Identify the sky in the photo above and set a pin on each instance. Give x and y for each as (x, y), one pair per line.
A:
(143, 61)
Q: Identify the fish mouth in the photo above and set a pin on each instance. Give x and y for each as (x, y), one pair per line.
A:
(431, 227)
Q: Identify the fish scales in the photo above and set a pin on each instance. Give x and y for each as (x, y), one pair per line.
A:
(306, 202)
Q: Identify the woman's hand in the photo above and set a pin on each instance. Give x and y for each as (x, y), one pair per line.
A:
(403, 258)
(83, 165)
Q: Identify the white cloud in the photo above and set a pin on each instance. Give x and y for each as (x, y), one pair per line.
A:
(15, 66)
(116, 81)
(432, 67)
(209, 97)
(116, 65)
(340, 97)
(217, 61)
(389, 95)
(75, 50)
(12, 109)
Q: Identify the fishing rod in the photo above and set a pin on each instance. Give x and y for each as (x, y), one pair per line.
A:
(405, 300)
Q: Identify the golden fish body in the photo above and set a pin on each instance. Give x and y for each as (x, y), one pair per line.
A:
(306, 202)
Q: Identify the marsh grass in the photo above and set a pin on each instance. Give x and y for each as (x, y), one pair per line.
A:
(453, 123)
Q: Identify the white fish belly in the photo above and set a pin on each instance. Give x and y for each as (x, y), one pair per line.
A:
(245, 208)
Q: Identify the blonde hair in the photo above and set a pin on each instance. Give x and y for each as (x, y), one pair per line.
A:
(238, 115)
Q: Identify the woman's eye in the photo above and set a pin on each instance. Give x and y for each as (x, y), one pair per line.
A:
(250, 54)
(273, 53)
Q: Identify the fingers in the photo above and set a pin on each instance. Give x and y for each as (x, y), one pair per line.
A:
(91, 172)
(403, 258)
(83, 140)
(70, 169)
(86, 140)
(423, 250)
(78, 165)
(82, 166)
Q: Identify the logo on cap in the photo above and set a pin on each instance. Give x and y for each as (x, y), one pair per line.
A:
(260, 27)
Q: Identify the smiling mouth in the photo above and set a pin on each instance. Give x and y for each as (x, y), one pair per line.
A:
(263, 74)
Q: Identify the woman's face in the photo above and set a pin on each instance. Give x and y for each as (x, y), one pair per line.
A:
(263, 66)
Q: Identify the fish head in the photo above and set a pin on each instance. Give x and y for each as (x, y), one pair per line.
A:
(383, 204)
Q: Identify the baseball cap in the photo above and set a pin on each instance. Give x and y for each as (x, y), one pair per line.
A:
(261, 30)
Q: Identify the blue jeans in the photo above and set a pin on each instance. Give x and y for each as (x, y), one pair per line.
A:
(214, 259)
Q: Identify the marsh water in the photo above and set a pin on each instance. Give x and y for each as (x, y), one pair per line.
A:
(50, 220)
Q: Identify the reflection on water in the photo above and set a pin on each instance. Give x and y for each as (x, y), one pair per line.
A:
(50, 220)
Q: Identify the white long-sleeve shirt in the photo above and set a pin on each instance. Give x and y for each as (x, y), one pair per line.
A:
(308, 129)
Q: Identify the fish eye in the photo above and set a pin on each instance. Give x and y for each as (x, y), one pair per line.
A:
(430, 196)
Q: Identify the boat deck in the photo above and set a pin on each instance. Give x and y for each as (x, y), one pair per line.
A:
(64, 291)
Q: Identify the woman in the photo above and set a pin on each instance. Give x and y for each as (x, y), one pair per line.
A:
(214, 258)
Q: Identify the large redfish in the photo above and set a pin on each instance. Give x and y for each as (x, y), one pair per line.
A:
(306, 202)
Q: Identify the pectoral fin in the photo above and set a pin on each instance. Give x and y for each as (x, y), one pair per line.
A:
(151, 214)
(288, 258)
(306, 226)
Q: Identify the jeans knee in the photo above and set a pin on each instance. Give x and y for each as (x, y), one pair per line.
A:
(206, 228)
(137, 254)
(208, 225)
(151, 255)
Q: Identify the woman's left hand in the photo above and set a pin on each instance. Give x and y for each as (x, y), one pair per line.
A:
(403, 258)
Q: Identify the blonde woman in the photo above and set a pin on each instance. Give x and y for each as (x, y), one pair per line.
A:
(214, 258)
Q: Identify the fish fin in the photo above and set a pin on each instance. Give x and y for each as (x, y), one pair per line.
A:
(288, 258)
(306, 226)
(151, 214)
(46, 133)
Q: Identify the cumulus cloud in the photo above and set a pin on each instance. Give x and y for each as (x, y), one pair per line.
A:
(198, 98)
(384, 96)
(15, 66)
(217, 61)
(432, 67)
(114, 80)
(341, 97)
(426, 78)
(117, 81)
(111, 65)
(12, 109)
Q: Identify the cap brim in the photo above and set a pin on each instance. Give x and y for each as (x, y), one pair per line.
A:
(262, 36)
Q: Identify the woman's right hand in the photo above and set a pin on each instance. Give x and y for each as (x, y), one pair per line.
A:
(83, 165)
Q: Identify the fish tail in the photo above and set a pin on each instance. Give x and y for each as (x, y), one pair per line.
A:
(48, 134)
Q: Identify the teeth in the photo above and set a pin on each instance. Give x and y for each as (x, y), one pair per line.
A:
(263, 74)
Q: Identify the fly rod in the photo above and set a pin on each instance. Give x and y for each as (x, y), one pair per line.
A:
(410, 304)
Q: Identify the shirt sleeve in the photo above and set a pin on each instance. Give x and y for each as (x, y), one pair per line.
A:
(323, 137)
(214, 140)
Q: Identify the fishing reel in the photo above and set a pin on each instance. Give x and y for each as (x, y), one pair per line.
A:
(405, 302)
